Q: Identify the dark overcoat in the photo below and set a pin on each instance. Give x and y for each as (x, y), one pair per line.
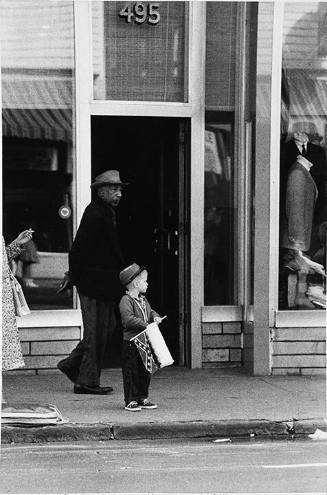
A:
(96, 259)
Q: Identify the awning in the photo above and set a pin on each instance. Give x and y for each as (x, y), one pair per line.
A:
(53, 124)
(37, 106)
(36, 91)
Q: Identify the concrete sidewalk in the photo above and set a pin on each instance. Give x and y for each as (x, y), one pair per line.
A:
(192, 403)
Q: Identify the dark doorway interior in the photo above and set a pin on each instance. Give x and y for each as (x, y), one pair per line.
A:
(147, 153)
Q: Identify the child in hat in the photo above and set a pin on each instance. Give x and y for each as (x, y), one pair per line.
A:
(136, 314)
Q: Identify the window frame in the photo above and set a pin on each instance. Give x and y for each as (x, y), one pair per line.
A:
(266, 283)
(70, 316)
(283, 318)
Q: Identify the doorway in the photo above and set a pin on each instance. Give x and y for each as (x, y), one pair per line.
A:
(151, 155)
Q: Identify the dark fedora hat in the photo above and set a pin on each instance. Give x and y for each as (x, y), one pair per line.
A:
(109, 177)
(128, 274)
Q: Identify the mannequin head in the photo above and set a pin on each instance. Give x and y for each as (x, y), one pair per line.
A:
(301, 137)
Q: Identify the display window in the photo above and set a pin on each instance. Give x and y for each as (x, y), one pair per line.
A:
(139, 51)
(303, 159)
(37, 40)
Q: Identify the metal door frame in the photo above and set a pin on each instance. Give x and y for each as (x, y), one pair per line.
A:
(242, 310)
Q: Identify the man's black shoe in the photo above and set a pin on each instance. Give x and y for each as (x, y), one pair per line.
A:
(84, 389)
(71, 374)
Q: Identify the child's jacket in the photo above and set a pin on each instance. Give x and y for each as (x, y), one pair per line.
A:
(132, 316)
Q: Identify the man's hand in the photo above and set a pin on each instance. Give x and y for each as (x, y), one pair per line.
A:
(65, 284)
(24, 237)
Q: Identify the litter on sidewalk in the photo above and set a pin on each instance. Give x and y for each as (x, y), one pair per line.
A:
(22, 414)
(318, 435)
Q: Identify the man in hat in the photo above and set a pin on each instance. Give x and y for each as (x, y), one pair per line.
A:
(95, 261)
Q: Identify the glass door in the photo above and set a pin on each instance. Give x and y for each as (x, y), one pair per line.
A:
(229, 118)
(148, 153)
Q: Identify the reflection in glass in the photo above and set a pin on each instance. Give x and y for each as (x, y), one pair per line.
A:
(218, 215)
(138, 50)
(37, 42)
(220, 185)
(303, 164)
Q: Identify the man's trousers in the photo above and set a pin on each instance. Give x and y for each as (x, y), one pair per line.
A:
(99, 322)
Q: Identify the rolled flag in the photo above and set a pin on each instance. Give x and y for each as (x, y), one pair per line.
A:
(158, 345)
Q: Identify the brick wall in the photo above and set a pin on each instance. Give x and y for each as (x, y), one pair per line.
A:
(295, 351)
(221, 344)
(298, 351)
(248, 346)
(44, 347)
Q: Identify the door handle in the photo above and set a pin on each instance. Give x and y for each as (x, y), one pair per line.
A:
(173, 237)
(166, 239)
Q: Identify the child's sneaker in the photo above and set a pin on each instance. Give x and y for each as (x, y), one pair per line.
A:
(146, 404)
(133, 406)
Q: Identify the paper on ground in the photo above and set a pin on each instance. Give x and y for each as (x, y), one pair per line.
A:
(318, 435)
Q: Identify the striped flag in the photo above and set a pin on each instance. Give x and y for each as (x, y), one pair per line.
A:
(142, 343)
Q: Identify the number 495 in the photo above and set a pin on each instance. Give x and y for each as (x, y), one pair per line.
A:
(141, 12)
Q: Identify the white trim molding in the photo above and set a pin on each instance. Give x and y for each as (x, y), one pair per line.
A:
(84, 88)
(214, 314)
(140, 109)
(276, 71)
(51, 318)
(269, 60)
(300, 319)
(197, 47)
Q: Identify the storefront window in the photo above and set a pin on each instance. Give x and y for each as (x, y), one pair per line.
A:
(220, 180)
(37, 41)
(303, 163)
(139, 50)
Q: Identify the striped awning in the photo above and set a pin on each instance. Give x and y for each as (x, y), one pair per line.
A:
(37, 105)
(36, 91)
(51, 124)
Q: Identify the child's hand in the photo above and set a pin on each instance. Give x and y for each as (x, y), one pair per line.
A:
(158, 319)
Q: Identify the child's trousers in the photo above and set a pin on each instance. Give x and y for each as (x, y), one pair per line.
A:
(135, 377)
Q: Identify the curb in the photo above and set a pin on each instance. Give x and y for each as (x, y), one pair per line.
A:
(260, 428)
(57, 433)
(197, 429)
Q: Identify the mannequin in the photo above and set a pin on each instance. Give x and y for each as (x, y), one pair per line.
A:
(300, 198)
(291, 267)
(300, 144)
